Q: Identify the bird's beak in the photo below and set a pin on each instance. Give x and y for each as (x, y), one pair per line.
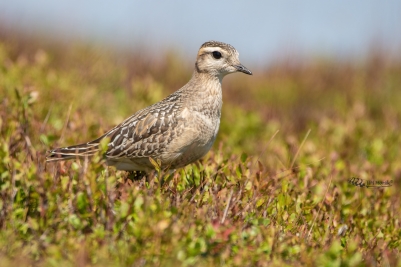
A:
(243, 69)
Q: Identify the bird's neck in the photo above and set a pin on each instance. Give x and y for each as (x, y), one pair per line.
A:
(207, 89)
(206, 83)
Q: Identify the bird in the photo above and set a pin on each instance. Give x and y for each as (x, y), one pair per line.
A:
(178, 130)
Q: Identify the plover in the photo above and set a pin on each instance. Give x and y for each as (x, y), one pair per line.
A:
(176, 131)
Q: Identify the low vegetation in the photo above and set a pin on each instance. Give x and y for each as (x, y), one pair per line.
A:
(274, 190)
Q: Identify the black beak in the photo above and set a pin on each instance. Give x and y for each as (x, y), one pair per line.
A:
(242, 68)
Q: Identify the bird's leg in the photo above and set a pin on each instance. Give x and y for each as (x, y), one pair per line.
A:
(136, 175)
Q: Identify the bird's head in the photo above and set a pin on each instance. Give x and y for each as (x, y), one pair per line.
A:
(219, 59)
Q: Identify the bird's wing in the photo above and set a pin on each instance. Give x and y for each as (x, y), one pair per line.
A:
(146, 133)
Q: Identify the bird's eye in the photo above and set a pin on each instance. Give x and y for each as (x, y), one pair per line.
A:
(216, 54)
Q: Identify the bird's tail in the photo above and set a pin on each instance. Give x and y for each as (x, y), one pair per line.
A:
(72, 152)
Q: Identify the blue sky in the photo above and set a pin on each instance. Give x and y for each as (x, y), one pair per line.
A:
(261, 30)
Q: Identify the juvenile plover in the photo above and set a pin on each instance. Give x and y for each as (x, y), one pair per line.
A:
(176, 131)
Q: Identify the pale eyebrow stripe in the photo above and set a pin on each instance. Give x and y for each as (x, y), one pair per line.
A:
(212, 49)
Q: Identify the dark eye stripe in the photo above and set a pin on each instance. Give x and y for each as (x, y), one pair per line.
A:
(216, 54)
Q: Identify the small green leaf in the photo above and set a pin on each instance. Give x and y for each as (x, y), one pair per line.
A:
(81, 201)
(155, 164)
(244, 156)
(74, 166)
(43, 138)
(103, 145)
(248, 186)
(260, 202)
(124, 208)
(284, 186)
(75, 221)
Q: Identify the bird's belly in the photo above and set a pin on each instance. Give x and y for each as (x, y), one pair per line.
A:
(195, 141)
(194, 152)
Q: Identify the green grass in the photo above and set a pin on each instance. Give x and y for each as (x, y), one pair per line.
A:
(273, 191)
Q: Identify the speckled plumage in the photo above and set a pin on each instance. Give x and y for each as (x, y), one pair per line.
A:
(178, 130)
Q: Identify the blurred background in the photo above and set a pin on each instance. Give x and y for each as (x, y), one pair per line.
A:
(262, 31)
